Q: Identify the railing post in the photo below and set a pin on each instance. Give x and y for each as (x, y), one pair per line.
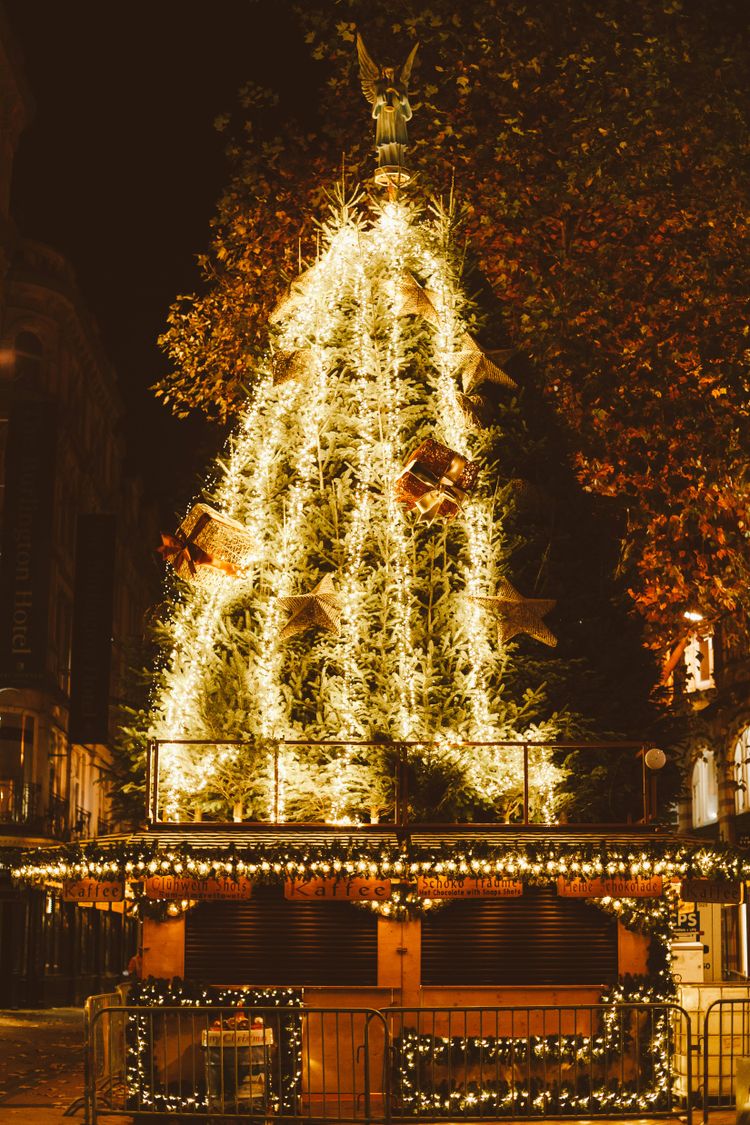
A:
(152, 781)
(526, 783)
(157, 768)
(366, 1070)
(87, 1066)
(276, 783)
(644, 786)
(689, 1068)
(402, 786)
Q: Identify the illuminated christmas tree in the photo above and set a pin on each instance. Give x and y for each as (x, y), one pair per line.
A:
(356, 576)
(370, 598)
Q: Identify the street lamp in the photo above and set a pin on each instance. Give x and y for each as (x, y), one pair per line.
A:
(653, 760)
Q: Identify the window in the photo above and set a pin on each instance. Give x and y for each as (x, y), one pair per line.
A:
(17, 791)
(699, 663)
(63, 635)
(17, 744)
(705, 789)
(28, 366)
(742, 771)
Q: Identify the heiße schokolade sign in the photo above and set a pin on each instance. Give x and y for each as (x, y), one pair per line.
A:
(619, 887)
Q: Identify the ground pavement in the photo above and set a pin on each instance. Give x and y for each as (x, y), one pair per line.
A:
(41, 1071)
(41, 1066)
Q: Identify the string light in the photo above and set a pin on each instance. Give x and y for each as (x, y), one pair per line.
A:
(144, 1090)
(534, 863)
(333, 444)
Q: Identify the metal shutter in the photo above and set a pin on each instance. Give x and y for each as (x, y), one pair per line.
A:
(538, 938)
(270, 941)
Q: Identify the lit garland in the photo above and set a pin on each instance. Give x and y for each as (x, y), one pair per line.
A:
(148, 1092)
(433, 1074)
(534, 863)
(157, 909)
(427, 1070)
(403, 904)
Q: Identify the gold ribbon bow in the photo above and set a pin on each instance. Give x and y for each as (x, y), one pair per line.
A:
(442, 488)
(180, 550)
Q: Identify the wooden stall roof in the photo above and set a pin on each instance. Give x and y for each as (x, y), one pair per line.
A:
(213, 835)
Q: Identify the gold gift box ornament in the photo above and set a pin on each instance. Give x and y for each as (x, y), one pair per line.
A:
(436, 481)
(206, 538)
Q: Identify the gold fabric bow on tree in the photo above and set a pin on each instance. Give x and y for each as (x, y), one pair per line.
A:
(436, 481)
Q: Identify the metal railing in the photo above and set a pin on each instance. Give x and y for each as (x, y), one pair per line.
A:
(57, 816)
(536, 1061)
(360, 1065)
(290, 1062)
(403, 753)
(81, 825)
(726, 1038)
(19, 802)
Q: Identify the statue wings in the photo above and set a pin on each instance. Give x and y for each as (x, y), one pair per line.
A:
(370, 73)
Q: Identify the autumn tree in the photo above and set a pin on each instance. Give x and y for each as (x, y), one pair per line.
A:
(601, 152)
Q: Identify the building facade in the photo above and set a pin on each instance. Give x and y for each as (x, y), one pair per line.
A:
(76, 576)
(711, 678)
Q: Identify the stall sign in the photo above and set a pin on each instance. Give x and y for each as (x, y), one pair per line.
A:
(613, 888)
(581, 888)
(468, 886)
(185, 886)
(634, 888)
(255, 1037)
(93, 890)
(711, 890)
(342, 890)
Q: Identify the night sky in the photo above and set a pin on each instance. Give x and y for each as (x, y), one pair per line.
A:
(121, 169)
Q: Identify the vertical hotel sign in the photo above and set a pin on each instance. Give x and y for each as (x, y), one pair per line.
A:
(27, 542)
(92, 629)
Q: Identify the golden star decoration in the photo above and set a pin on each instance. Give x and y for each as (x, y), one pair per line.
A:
(415, 300)
(517, 614)
(321, 607)
(294, 295)
(478, 366)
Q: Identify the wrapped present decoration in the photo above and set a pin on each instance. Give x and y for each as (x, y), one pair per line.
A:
(436, 481)
(206, 538)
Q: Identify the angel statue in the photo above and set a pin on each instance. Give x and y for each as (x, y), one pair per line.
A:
(388, 93)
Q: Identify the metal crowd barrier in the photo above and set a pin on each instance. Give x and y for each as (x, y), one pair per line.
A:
(289, 1063)
(537, 1061)
(726, 1038)
(353, 1065)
